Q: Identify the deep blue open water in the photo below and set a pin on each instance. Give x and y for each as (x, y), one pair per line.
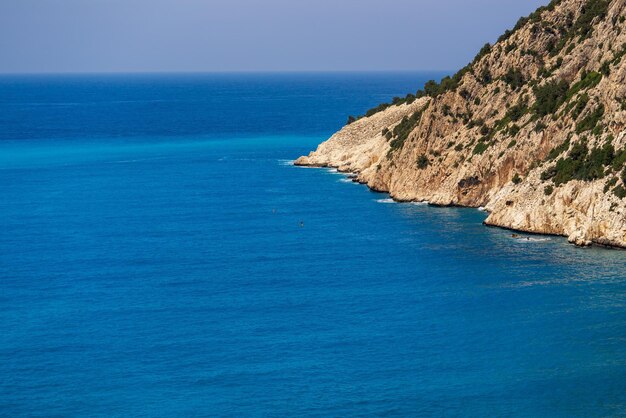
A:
(159, 256)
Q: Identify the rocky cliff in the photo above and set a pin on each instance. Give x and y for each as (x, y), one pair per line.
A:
(533, 130)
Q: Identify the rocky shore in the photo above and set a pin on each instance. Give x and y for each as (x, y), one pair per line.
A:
(533, 130)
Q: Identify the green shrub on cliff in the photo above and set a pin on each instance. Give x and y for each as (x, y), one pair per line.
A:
(620, 192)
(404, 128)
(580, 105)
(548, 190)
(590, 10)
(550, 97)
(582, 28)
(514, 78)
(610, 184)
(379, 108)
(485, 76)
(480, 147)
(422, 162)
(591, 120)
(540, 127)
(510, 47)
(516, 112)
(580, 164)
(617, 58)
(533, 17)
(619, 160)
(587, 81)
(555, 152)
(483, 51)
(434, 89)
(605, 68)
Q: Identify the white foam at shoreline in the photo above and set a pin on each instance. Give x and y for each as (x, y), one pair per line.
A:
(390, 200)
(335, 171)
(286, 162)
(530, 239)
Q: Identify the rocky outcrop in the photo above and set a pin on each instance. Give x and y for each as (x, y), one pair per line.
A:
(360, 147)
(533, 130)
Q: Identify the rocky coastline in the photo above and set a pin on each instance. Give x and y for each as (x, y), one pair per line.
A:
(533, 130)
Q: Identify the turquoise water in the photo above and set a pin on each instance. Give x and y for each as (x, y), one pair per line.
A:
(159, 256)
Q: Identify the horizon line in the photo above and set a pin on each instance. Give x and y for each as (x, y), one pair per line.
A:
(167, 72)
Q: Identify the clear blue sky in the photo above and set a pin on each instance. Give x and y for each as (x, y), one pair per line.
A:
(249, 35)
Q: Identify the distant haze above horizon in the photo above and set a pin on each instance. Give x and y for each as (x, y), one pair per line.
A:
(44, 36)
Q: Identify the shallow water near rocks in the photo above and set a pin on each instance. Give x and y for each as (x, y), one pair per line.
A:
(160, 256)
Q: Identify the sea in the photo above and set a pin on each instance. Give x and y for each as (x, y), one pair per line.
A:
(160, 256)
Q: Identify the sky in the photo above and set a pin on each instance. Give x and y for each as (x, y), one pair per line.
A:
(78, 36)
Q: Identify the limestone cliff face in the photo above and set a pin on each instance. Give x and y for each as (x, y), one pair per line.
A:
(534, 129)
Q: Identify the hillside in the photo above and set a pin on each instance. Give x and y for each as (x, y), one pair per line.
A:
(533, 130)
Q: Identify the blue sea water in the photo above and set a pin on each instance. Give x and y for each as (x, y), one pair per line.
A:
(159, 256)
